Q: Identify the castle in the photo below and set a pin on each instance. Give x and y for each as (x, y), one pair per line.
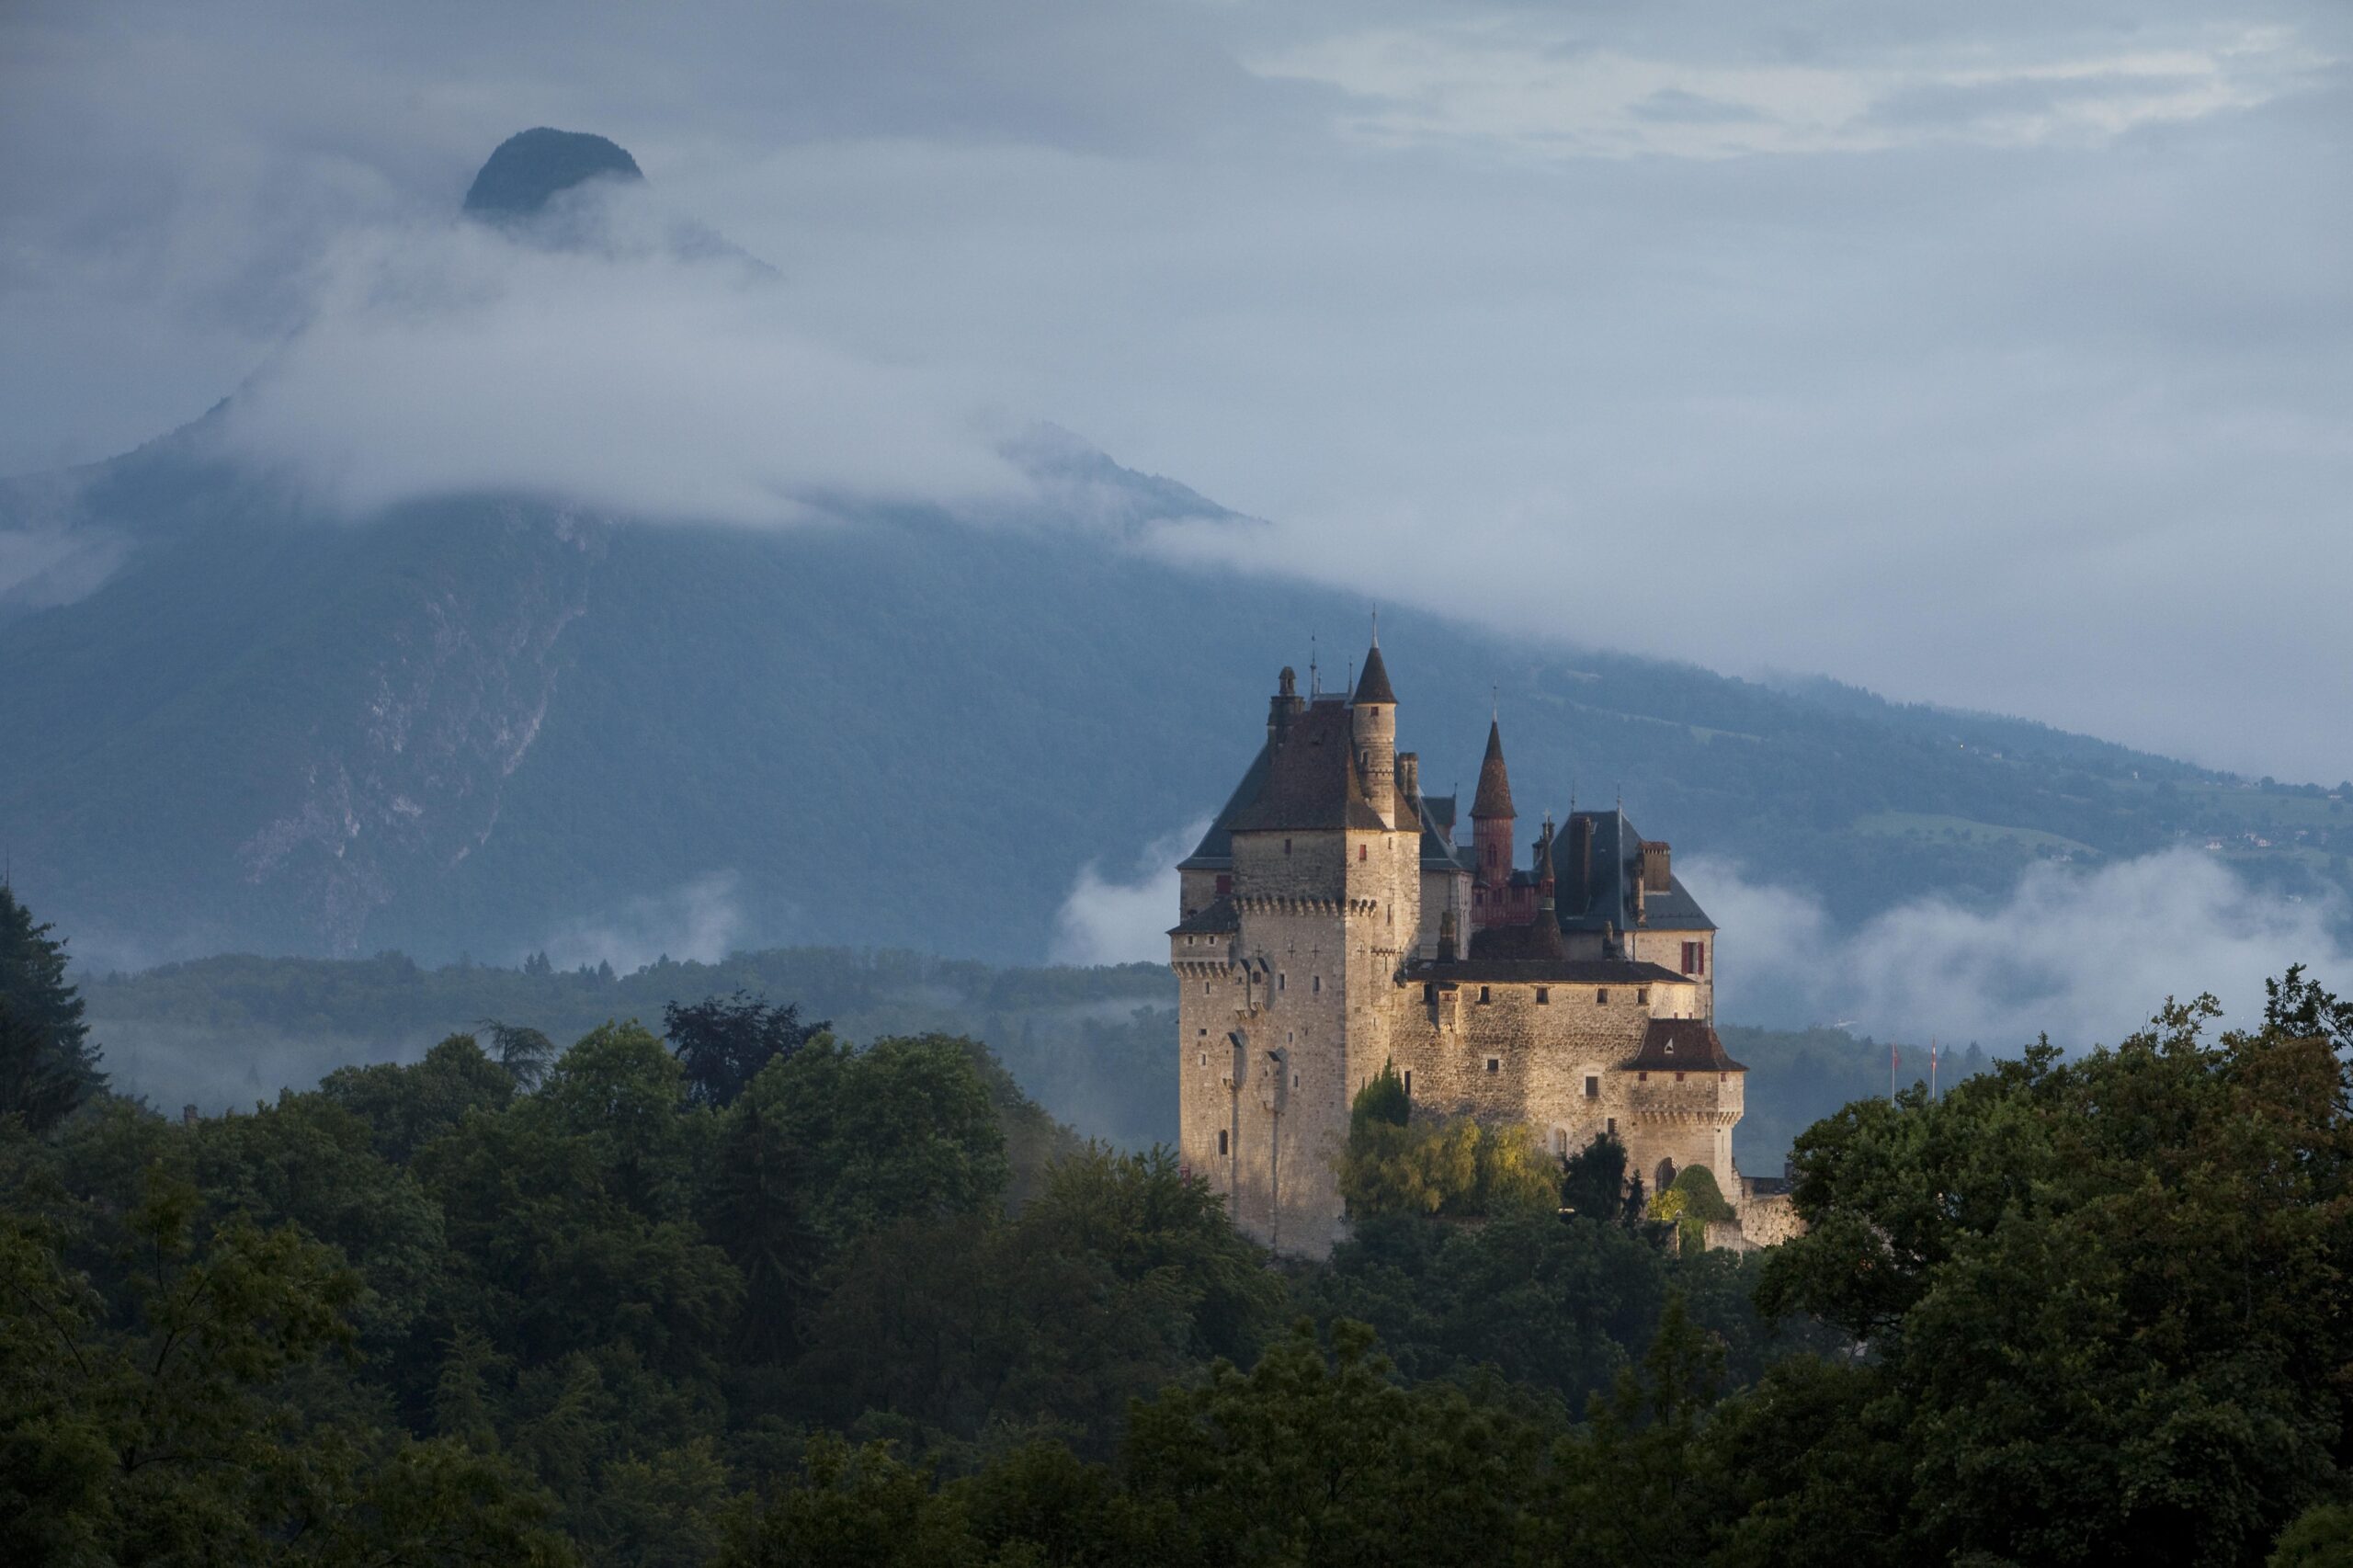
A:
(1330, 924)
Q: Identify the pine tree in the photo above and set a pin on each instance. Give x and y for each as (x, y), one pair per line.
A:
(47, 1063)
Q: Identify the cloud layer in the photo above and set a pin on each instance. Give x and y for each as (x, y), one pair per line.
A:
(1992, 355)
(626, 376)
(2085, 955)
(1106, 920)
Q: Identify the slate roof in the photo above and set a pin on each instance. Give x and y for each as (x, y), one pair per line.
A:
(1681, 1045)
(1218, 918)
(1617, 865)
(1215, 851)
(1437, 822)
(1373, 685)
(1494, 799)
(1542, 971)
(1312, 779)
(1537, 941)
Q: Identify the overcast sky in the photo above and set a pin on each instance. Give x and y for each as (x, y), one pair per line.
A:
(1994, 354)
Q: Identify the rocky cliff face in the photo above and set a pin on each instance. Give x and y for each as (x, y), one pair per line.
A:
(404, 777)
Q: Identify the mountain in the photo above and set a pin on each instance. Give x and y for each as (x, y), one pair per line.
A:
(490, 723)
(533, 167)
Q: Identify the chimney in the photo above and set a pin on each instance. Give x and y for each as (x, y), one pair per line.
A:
(1284, 703)
(1448, 941)
(1580, 863)
(1409, 776)
(1655, 876)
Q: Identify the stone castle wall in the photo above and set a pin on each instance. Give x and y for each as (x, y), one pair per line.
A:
(1325, 921)
(1555, 1065)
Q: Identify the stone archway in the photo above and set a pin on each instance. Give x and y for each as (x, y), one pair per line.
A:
(1666, 1176)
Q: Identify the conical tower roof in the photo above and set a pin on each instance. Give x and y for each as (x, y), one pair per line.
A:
(1494, 799)
(1373, 685)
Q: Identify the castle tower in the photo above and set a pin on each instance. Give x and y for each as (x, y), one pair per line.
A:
(1372, 713)
(1491, 819)
(1286, 983)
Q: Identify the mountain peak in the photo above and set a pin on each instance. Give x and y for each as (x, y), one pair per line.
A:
(532, 167)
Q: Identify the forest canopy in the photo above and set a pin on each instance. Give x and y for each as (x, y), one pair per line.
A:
(869, 1304)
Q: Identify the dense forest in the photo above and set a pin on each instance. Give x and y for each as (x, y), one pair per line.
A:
(1090, 1044)
(741, 1293)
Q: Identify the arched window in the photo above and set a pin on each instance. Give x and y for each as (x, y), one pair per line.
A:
(1665, 1174)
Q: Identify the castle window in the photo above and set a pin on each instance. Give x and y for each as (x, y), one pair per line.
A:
(1641, 997)
(1612, 1124)
(1317, 985)
(1221, 1140)
(1642, 1077)
(1543, 995)
(1205, 1057)
(1409, 1083)
(1363, 850)
(1678, 1077)
(1429, 993)
(1294, 1080)
(1561, 1141)
(1592, 1087)
(1601, 997)
(1483, 995)
(1695, 957)
(1494, 1063)
(1281, 980)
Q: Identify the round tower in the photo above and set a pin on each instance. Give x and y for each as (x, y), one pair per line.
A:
(1491, 825)
(1373, 718)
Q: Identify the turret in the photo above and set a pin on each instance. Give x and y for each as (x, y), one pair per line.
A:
(1492, 817)
(1373, 713)
(1545, 908)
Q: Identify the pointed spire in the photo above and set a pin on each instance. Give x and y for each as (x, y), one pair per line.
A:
(1495, 782)
(1374, 685)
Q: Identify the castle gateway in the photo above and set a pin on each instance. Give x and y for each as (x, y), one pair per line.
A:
(1331, 923)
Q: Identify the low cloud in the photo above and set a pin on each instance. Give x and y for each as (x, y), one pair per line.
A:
(2086, 955)
(1106, 921)
(630, 373)
(701, 920)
